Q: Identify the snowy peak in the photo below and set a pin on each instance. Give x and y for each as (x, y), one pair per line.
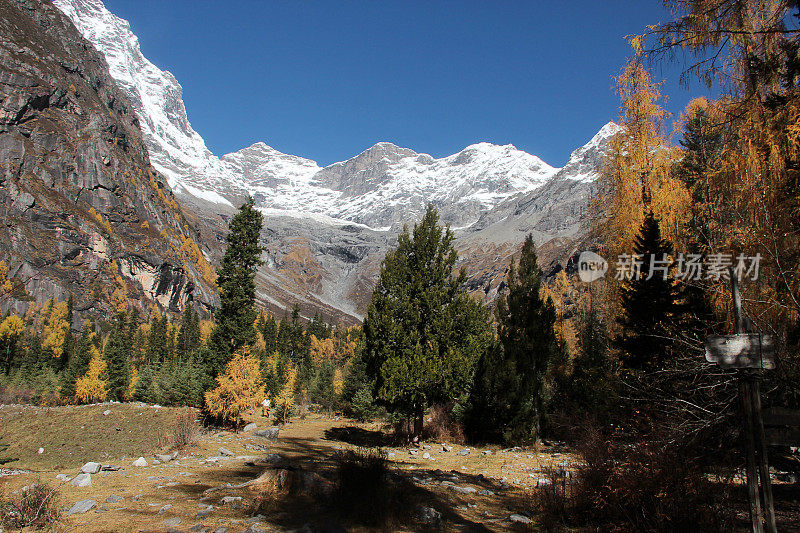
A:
(176, 150)
(382, 187)
(586, 161)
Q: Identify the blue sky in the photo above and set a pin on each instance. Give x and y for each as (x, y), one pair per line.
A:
(326, 80)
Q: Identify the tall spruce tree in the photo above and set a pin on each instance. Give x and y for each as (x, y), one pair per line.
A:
(116, 353)
(509, 389)
(189, 335)
(650, 303)
(422, 334)
(237, 288)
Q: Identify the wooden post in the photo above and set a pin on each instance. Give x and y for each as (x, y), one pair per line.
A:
(756, 440)
(766, 482)
(745, 389)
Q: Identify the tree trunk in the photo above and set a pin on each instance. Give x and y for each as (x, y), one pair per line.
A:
(418, 422)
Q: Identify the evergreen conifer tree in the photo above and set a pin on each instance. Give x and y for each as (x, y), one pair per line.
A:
(236, 281)
(79, 362)
(157, 345)
(509, 391)
(649, 302)
(116, 353)
(422, 334)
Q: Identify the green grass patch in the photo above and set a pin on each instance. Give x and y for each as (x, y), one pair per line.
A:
(73, 435)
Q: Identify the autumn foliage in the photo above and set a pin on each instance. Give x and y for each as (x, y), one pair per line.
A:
(238, 390)
(92, 387)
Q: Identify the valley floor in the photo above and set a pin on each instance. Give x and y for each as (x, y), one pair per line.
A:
(472, 489)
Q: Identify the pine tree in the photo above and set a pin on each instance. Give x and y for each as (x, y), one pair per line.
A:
(511, 381)
(11, 329)
(116, 353)
(324, 393)
(422, 334)
(79, 362)
(236, 281)
(157, 345)
(269, 330)
(649, 302)
(189, 335)
(591, 388)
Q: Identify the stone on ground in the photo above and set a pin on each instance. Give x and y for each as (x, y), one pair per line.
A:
(82, 507)
(427, 516)
(82, 480)
(91, 468)
(520, 519)
(251, 426)
(114, 499)
(226, 452)
(140, 462)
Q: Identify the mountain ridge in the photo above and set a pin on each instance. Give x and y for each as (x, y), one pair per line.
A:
(327, 228)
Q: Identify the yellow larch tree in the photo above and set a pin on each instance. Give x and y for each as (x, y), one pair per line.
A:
(636, 177)
(54, 326)
(6, 287)
(285, 399)
(92, 387)
(238, 390)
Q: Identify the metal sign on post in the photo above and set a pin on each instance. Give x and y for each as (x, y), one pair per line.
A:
(749, 353)
(742, 350)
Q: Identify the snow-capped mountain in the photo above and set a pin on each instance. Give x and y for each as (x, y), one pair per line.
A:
(327, 229)
(381, 187)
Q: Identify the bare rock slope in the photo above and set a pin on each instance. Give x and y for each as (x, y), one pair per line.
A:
(83, 211)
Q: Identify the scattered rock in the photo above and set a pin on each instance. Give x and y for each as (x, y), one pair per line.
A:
(252, 426)
(268, 433)
(90, 468)
(202, 513)
(221, 529)
(82, 480)
(165, 508)
(427, 516)
(114, 499)
(446, 448)
(140, 462)
(82, 506)
(106, 412)
(226, 452)
(520, 519)
(63, 477)
(110, 468)
(172, 522)
(40, 451)
(273, 458)
(426, 455)
(230, 499)
(463, 490)
(164, 457)
(465, 451)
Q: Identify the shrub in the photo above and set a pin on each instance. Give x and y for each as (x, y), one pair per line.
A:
(35, 506)
(363, 406)
(442, 427)
(186, 430)
(637, 486)
(363, 490)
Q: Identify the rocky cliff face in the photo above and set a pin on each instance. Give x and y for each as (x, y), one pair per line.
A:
(83, 211)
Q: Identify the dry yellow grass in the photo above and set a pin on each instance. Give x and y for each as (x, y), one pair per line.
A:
(306, 445)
